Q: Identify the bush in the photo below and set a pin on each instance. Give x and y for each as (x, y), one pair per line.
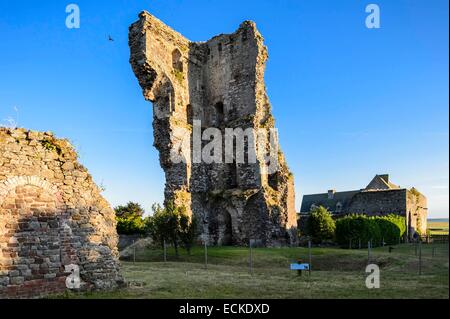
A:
(131, 225)
(352, 228)
(373, 232)
(355, 228)
(130, 219)
(130, 209)
(320, 225)
(392, 228)
(164, 224)
(173, 225)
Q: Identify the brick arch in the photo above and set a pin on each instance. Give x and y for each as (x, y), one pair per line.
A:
(13, 182)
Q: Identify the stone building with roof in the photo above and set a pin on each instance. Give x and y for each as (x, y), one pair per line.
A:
(379, 197)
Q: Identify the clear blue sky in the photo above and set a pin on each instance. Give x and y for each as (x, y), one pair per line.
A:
(349, 102)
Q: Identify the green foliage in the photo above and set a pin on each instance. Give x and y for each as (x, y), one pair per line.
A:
(50, 145)
(130, 209)
(320, 225)
(400, 224)
(389, 232)
(355, 228)
(173, 225)
(165, 223)
(131, 225)
(351, 228)
(419, 226)
(188, 231)
(155, 224)
(130, 219)
(178, 75)
(374, 232)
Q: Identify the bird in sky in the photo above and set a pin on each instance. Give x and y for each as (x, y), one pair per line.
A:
(110, 38)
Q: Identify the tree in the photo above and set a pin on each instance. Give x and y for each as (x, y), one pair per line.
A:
(130, 219)
(320, 225)
(188, 231)
(172, 224)
(130, 209)
(165, 225)
(155, 225)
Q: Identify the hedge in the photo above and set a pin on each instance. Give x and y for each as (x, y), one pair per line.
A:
(131, 225)
(361, 228)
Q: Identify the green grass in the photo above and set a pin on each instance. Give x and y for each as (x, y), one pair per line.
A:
(337, 273)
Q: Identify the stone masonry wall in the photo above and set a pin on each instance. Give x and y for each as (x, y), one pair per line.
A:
(379, 202)
(51, 215)
(220, 83)
(417, 211)
(408, 203)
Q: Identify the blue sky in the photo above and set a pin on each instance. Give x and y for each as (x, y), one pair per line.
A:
(350, 102)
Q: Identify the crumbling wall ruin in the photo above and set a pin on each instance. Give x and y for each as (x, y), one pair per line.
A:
(219, 84)
(51, 216)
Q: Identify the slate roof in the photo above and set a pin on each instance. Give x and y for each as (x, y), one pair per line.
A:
(378, 183)
(322, 200)
(381, 182)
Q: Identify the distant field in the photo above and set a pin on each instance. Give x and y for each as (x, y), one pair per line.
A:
(438, 226)
(337, 273)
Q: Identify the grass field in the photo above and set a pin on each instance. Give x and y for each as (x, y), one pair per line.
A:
(337, 273)
(438, 227)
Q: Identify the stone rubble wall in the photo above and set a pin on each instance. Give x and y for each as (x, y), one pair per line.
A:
(381, 202)
(417, 212)
(51, 215)
(407, 203)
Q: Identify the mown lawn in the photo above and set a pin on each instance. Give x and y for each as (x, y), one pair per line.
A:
(337, 273)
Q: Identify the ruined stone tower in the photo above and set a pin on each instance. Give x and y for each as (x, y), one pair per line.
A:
(219, 84)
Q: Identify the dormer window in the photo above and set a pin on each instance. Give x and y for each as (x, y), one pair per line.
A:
(331, 194)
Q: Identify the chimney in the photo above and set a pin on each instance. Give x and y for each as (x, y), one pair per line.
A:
(385, 177)
(331, 193)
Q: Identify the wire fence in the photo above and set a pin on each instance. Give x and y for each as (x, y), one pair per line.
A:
(412, 267)
(400, 257)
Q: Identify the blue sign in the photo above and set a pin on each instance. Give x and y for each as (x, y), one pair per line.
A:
(299, 266)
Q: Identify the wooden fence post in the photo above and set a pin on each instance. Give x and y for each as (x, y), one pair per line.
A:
(310, 256)
(420, 258)
(206, 254)
(251, 257)
(165, 251)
